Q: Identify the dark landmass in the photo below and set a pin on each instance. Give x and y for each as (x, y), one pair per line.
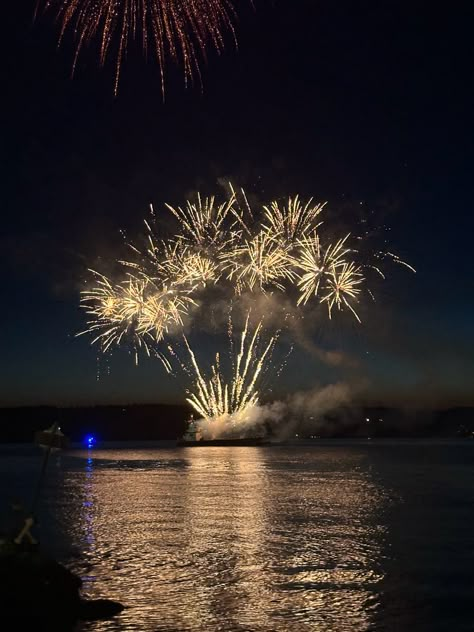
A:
(167, 422)
(393, 422)
(105, 423)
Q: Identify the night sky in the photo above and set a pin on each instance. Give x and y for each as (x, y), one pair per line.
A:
(365, 104)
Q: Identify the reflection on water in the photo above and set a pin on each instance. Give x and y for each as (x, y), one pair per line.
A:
(374, 537)
(225, 538)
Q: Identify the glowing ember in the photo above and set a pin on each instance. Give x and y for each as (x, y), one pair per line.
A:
(179, 30)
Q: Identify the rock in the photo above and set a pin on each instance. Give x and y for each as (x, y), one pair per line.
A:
(93, 609)
(36, 590)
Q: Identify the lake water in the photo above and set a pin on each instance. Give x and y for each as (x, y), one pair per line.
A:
(334, 537)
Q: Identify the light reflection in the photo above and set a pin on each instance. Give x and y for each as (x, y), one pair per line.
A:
(88, 502)
(227, 521)
(230, 538)
(330, 543)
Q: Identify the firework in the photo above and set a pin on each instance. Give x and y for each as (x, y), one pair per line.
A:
(342, 286)
(261, 263)
(191, 257)
(112, 310)
(207, 225)
(179, 30)
(293, 221)
(134, 310)
(216, 395)
(316, 263)
(222, 245)
(184, 267)
(164, 309)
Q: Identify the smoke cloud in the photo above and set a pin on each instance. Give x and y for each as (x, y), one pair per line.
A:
(303, 412)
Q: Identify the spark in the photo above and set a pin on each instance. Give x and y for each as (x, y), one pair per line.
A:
(206, 224)
(111, 310)
(182, 266)
(192, 256)
(162, 310)
(316, 263)
(260, 262)
(397, 259)
(182, 31)
(135, 309)
(150, 258)
(343, 285)
(293, 221)
(215, 395)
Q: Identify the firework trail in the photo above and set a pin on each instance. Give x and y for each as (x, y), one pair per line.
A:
(176, 29)
(397, 259)
(216, 395)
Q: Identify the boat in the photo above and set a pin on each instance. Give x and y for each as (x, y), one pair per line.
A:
(192, 439)
(52, 438)
(244, 442)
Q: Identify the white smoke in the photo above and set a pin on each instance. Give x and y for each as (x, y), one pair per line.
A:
(248, 422)
(303, 412)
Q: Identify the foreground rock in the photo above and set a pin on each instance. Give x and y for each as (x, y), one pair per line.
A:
(40, 593)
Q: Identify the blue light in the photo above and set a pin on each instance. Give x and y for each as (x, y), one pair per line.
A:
(90, 441)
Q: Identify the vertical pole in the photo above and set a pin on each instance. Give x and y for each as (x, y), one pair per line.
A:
(40, 479)
(39, 484)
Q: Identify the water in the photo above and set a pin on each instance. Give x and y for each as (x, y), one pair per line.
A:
(355, 537)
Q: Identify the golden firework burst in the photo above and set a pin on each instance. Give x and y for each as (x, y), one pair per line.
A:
(314, 262)
(292, 221)
(259, 263)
